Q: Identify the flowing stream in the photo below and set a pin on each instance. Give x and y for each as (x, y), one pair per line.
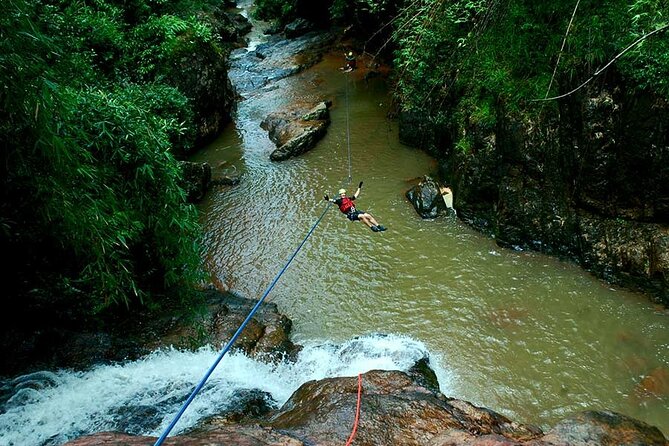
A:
(521, 333)
(518, 332)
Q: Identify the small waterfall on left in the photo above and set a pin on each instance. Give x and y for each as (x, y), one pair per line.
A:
(142, 396)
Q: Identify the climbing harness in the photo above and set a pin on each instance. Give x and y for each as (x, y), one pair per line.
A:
(357, 412)
(237, 333)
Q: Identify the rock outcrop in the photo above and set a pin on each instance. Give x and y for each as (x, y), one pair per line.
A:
(395, 410)
(590, 183)
(267, 335)
(297, 131)
(427, 199)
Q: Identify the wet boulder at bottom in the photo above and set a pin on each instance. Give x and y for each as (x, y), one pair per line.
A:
(395, 409)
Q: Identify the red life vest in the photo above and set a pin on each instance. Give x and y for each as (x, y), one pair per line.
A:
(346, 205)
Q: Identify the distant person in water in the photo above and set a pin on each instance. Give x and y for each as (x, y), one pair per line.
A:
(351, 63)
(346, 206)
(447, 195)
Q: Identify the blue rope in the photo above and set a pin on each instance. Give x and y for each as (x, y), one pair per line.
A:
(236, 335)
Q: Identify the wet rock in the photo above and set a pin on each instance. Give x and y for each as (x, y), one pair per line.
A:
(297, 130)
(245, 405)
(422, 374)
(138, 334)
(232, 27)
(604, 429)
(320, 112)
(238, 436)
(266, 335)
(298, 28)
(394, 410)
(306, 139)
(251, 71)
(135, 419)
(224, 179)
(426, 198)
(633, 254)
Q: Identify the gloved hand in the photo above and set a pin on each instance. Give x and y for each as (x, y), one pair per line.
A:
(360, 185)
(326, 197)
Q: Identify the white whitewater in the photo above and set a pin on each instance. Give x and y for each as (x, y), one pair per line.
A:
(141, 397)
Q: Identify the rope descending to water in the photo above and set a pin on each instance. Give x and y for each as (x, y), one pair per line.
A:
(236, 335)
(257, 305)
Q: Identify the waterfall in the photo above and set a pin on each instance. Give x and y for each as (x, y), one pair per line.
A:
(142, 396)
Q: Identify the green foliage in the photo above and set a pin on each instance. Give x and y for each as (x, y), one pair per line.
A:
(466, 55)
(281, 11)
(167, 38)
(648, 65)
(358, 11)
(119, 207)
(367, 15)
(91, 188)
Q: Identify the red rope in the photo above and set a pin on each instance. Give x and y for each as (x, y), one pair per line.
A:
(357, 412)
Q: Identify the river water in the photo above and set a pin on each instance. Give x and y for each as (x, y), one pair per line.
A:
(524, 334)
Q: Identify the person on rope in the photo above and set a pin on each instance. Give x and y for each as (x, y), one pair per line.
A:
(346, 206)
(351, 63)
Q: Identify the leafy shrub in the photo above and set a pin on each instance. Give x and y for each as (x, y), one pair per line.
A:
(467, 54)
(91, 189)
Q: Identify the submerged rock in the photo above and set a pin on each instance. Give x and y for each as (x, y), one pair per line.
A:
(604, 428)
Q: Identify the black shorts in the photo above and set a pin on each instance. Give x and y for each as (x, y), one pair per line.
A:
(353, 216)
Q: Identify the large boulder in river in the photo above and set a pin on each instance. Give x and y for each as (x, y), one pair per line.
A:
(426, 198)
(296, 131)
(395, 410)
(267, 334)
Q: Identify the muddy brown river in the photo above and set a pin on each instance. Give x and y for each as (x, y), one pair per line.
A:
(518, 332)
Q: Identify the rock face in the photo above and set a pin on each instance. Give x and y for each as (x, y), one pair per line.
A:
(296, 131)
(590, 183)
(275, 59)
(396, 410)
(267, 335)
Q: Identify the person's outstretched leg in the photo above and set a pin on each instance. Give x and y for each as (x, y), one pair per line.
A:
(366, 220)
(375, 223)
